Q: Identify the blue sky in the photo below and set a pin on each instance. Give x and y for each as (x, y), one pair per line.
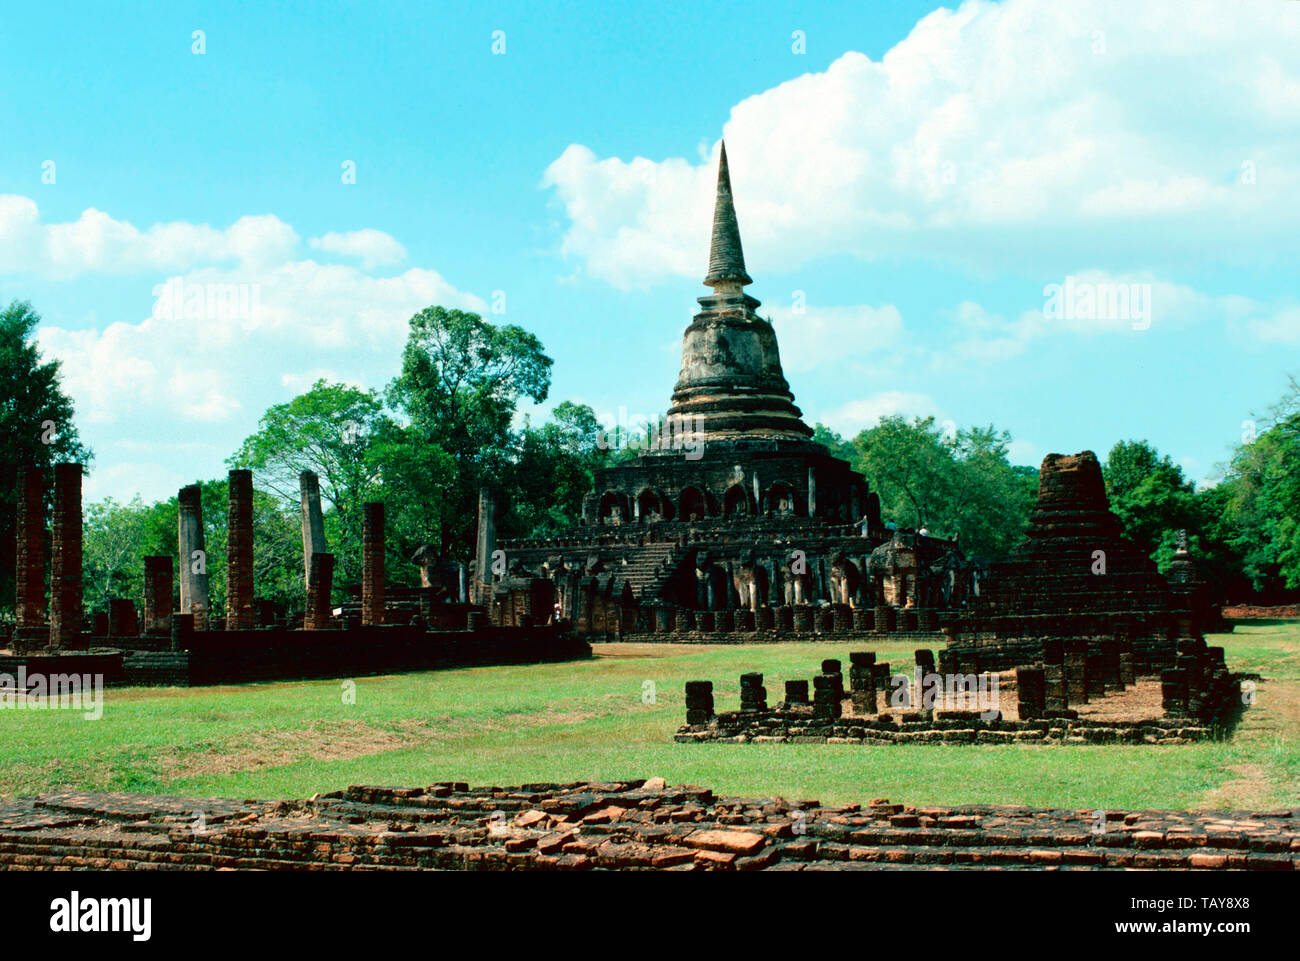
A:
(909, 185)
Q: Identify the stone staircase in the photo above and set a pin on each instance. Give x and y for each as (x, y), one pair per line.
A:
(649, 568)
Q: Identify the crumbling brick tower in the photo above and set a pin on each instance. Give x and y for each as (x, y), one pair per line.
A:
(65, 564)
(158, 587)
(240, 615)
(1076, 577)
(372, 563)
(30, 629)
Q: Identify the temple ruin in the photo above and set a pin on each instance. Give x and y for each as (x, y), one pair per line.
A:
(177, 638)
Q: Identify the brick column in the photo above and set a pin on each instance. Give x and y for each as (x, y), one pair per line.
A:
(1031, 692)
(313, 524)
(122, 620)
(862, 681)
(65, 562)
(318, 592)
(240, 615)
(753, 695)
(699, 702)
(486, 542)
(194, 570)
(30, 556)
(1076, 671)
(372, 563)
(158, 585)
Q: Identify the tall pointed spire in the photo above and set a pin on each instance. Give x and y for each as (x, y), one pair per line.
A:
(726, 259)
(731, 387)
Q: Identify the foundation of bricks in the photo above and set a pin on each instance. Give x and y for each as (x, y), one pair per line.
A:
(1197, 701)
(191, 658)
(627, 825)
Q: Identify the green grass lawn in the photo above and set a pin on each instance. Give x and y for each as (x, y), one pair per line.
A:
(588, 720)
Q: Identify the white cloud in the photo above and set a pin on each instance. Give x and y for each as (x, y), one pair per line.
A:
(857, 415)
(373, 248)
(1278, 324)
(816, 337)
(97, 243)
(1030, 135)
(121, 480)
(1148, 306)
(208, 367)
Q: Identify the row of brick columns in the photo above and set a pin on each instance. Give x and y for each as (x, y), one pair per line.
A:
(65, 601)
(64, 627)
(372, 564)
(239, 552)
(30, 574)
(65, 558)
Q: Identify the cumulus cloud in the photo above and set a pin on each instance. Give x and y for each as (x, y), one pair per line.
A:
(1093, 303)
(1028, 135)
(208, 353)
(373, 248)
(815, 337)
(857, 415)
(97, 243)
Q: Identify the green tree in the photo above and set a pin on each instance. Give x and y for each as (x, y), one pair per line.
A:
(956, 484)
(461, 381)
(1151, 497)
(332, 429)
(837, 445)
(552, 470)
(36, 421)
(1261, 501)
(113, 541)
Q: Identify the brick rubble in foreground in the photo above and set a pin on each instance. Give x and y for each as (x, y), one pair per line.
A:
(622, 825)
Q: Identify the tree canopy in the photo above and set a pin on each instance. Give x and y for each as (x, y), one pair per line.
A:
(956, 484)
(36, 420)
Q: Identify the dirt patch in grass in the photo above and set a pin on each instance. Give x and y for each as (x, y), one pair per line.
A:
(344, 739)
(253, 750)
(1251, 789)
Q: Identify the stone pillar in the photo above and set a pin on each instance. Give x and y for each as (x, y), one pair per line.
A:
(65, 560)
(462, 584)
(1174, 691)
(182, 631)
(319, 587)
(828, 692)
(699, 702)
(1030, 692)
(1076, 671)
(812, 492)
(753, 695)
(1126, 673)
(313, 524)
(122, 620)
(240, 615)
(194, 570)
(157, 592)
(1097, 687)
(372, 563)
(796, 692)
(862, 681)
(30, 629)
(487, 544)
